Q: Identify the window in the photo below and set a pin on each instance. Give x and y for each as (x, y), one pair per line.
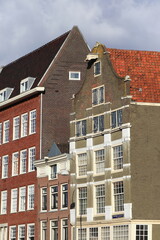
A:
(21, 232)
(82, 164)
(5, 166)
(116, 118)
(64, 195)
(5, 94)
(82, 200)
(6, 132)
(24, 125)
(117, 157)
(44, 230)
(15, 157)
(16, 128)
(141, 232)
(98, 123)
(98, 95)
(121, 232)
(82, 234)
(32, 155)
(14, 200)
(26, 84)
(30, 232)
(105, 233)
(0, 133)
(30, 197)
(93, 234)
(100, 198)
(12, 233)
(97, 68)
(81, 128)
(74, 75)
(118, 196)
(65, 229)
(54, 230)
(3, 202)
(32, 125)
(22, 199)
(54, 171)
(99, 161)
(23, 161)
(54, 197)
(44, 199)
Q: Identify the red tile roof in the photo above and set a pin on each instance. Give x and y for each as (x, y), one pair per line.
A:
(143, 67)
(33, 64)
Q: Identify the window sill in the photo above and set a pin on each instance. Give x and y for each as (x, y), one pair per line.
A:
(117, 171)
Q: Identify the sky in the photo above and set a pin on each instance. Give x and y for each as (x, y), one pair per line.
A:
(126, 24)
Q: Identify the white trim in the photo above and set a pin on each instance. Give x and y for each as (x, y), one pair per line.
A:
(21, 225)
(41, 114)
(28, 225)
(146, 104)
(72, 78)
(28, 203)
(19, 207)
(22, 95)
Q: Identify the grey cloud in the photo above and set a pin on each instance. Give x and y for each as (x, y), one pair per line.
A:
(26, 25)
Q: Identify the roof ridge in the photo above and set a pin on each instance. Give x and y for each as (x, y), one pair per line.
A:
(133, 50)
(37, 49)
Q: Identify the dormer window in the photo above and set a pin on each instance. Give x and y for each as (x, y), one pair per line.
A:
(74, 75)
(26, 84)
(5, 94)
(97, 68)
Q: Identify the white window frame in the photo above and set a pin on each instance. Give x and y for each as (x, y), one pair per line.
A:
(31, 159)
(82, 164)
(95, 233)
(81, 128)
(5, 166)
(99, 161)
(54, 195)
(14, 200)
(117, 156)
(22, 199)
(29, 235)
(118, 121)
(4, 202)
(31, 197)
(44, 198)
(54, 173)
(99, 198)
(73, 77)
(121, 229)
(23, 161)
(5, 94)
(20, 237)
(64, 196)
(24, 125)
(1, 133)
(82, 208)
(16, 127)
(63, 229)
(6, 131)
(99, 127)
(11, 237)
(32, 121)
(53, 228)
(26, 84)
(15, 163)
(96, 93)
(117, 196)
(82, 234)
(43, 225)
(95, 68)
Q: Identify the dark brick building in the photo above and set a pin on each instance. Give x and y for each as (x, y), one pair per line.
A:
(115, 146)
(35, 101)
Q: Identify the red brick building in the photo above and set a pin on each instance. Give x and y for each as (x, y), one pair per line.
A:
(53, 193)
(35, 93)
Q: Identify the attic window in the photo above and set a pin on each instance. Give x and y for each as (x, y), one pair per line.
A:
(97, 68)
(74, 75)
(5, 94)
(26, 84)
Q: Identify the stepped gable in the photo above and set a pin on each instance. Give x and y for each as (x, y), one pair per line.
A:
(33, 64)
(143, 67)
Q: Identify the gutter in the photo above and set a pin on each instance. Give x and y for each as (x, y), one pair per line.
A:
(21, 96)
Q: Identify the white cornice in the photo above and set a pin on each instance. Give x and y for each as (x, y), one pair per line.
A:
(21, 96)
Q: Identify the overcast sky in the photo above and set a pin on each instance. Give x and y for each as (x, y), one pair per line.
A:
(128, 24)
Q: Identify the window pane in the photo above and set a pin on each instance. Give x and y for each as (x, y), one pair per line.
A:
(100, 198)
(82, 164)
(82, 201)
(118, 157)
(118, 196)
(121, 232)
